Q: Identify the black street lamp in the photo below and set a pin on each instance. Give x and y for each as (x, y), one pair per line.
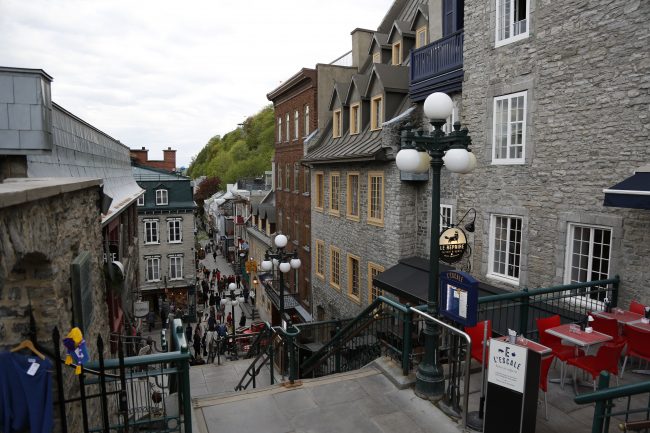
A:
(284, 261)
(232, 299)
(419, 150)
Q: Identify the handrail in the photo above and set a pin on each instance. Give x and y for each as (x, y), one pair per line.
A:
(545, 290)
(133, 361)
(361, 316)
(468, 352)
(613, 393)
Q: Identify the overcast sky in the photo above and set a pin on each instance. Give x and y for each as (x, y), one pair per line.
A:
(159, 73)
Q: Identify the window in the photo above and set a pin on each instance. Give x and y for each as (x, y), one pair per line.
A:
(296, 119)
(354, 279)
(141, 200)
(174, 231)
(335, 191)
(335, 267)
(288, 127)
(280, 129)
(505, 247)
(287, 174)
(296, 232)
(353, 196)
(376, 57)
(296, 176)
(336, 123)
(376, 198)
(509, 137)
(397, 53)
(320, 259)
(320, 191)
(306, 120)
(175, 268)
(588, 256)
(512, 21)
(376, 112)
(307, 180)
(152, 266)
(421, 37)
(374, 291)
(279, 176)
(151, 232)
(355, 118)
(449, 121)
(161, 197)
(445, 216)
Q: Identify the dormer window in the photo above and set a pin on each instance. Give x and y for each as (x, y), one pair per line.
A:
(421, 38)
(162, 197)
(376, 112)
(336, 123)
(376, 57)
(355, 118)
(397, 53)
(141, 200)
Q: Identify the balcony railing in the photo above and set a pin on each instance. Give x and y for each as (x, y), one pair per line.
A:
(437, 58)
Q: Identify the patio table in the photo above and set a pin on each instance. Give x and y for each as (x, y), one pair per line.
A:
(532, 345)
(640, 325)
(621, 316)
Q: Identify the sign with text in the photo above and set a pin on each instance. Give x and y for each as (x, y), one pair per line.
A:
(459, 297)
(453, 244)
(140, 309)
(507, 366)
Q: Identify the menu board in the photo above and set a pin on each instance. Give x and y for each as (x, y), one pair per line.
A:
(507, 365)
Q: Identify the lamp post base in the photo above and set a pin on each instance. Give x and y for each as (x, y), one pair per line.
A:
(430, 382)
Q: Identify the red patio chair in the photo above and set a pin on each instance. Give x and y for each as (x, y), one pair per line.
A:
(638, 344)
(561, 351)
(609, 327)
(543, 379)
(606, 358)
(476, 334)
(637, 307)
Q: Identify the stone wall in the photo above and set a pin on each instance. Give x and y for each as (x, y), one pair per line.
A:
(38, 242)
(585, 66)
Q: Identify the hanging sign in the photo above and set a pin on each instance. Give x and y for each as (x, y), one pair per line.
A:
(140, 309)
(453, 244)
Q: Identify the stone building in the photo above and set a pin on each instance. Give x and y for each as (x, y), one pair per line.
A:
(166, 239)
(363, 217)
(556, 99)
(295, 107)
(67, 223)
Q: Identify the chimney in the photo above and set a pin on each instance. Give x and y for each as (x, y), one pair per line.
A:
(140, 155)
(361, 39)
(169, 157)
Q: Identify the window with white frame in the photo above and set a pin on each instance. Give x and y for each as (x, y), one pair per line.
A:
(446, 219)
(306, 120)
(152, 268)
(141, 200)
(296, 119)
(151, 232)
(162, 197)
(588, 255)
(280, 129)
(505, 247)
(512, 21)
(448, 127)
(175, 268)
(509, 131)
(288, 127)
(174, 231)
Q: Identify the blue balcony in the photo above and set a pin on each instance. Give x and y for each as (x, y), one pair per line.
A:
(437, 67)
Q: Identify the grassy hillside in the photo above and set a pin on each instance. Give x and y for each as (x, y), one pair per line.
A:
(244, 152)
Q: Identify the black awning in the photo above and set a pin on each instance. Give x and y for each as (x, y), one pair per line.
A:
(633, 192)
(409, 280)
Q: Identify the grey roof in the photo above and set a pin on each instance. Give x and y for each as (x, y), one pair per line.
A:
(422, 10)
(341, 91)
(380, 39)
(360, 81)
(148, 174)
(401, 10)
(392, 78)
(403, 27)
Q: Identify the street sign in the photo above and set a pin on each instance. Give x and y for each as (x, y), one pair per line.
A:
(140, 309)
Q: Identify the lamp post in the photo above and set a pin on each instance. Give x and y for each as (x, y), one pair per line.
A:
(420, 150)
(284, 261)
(232, 300)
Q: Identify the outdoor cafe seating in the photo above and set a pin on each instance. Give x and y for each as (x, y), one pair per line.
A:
(609, 327)
(477, 333)
(638, 344)
(561, 351)
(637, 307)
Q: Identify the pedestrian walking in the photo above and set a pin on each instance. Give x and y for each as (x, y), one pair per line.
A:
(188, 333)
(229, 319)
(214, 255)
(151, 320)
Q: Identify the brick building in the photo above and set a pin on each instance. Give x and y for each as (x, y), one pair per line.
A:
(168, 163)
(296, 111)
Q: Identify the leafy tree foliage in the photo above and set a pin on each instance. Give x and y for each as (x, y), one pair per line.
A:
(207, 188)
(244, 152)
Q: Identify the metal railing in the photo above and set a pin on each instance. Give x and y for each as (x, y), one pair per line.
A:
(572, 302)
(439, 57)
(458, 360)
(384, 325)
(633, 414)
